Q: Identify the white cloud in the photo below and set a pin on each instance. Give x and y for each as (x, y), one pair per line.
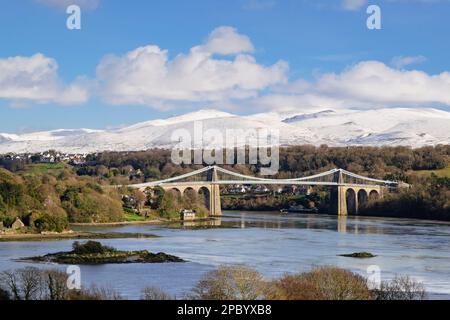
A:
(36, 79)
(147, 76)
(368, 84)
(353, 5)
(374, 82)
(223, 73)
(403, 61)
(63, 4)
(226, 41)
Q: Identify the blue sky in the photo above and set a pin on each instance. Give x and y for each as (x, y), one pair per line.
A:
(286, 54)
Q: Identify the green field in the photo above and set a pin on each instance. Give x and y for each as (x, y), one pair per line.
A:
(426, 173)
(134, 217)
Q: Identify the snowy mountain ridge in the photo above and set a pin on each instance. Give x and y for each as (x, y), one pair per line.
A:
(381, 127)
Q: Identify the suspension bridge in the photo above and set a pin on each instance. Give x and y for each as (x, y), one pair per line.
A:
(348, 193)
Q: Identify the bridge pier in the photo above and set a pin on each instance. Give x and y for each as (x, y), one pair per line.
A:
(338, 201)
(215, 208)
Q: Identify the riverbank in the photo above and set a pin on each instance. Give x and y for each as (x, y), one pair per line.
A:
(117, 224)
(140, 222)
(75, 235)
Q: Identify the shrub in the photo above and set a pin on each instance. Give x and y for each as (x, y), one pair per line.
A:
(48, 222)
(230, 283)
(4, 295)
(322, 283)
(155, 294)
(95, 293)
(90, 247)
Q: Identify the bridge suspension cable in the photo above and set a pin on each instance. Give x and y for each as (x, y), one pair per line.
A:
(316, 179)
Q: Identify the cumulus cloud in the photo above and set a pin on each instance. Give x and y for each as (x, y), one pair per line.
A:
(226, 41)
(368, 84)
(36, 79)
(147, 76)
(63, 4)
(403, 61)
(223, 73)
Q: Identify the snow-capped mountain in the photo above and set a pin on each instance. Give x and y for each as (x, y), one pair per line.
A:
(398, 126)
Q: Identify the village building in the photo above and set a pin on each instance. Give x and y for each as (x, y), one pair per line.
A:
(18, 224)
(187, 215)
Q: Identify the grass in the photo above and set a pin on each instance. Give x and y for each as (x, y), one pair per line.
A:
(45, 168)
(426, 173)
(134, 217)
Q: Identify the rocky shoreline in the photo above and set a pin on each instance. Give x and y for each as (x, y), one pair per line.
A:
(93, 253)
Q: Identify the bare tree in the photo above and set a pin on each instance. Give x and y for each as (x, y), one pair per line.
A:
(56, 285)
(230, 283)
(401, 288)
(155, 294)
(23, 284)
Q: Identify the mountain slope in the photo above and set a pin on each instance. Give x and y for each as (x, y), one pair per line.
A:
(411, 127)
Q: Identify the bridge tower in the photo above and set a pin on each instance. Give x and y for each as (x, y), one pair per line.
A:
(215, 208)
(338, 197)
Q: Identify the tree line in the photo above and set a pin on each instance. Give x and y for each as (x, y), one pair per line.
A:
(234, 282)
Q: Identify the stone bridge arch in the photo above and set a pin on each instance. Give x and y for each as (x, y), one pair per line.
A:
(205, 195)
(374, 195)
(351, 201)
(348, 200)
(363, 198)
(209, 192)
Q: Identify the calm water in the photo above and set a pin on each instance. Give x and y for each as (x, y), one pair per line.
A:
(269, 242)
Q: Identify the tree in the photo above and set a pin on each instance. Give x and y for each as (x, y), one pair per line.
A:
(171, 205)
(2, 204)
(400, 288)
(230, 283)
(140, 198)
(23, 284)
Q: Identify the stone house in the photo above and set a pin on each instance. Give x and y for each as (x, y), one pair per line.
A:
(18, 224)
(187, 215)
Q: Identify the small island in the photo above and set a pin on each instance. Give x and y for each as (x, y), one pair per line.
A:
(360, 255)
(92, 252)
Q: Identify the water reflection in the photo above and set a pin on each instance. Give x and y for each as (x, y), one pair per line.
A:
(342, 224)
(271, 220)
(201, 224)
